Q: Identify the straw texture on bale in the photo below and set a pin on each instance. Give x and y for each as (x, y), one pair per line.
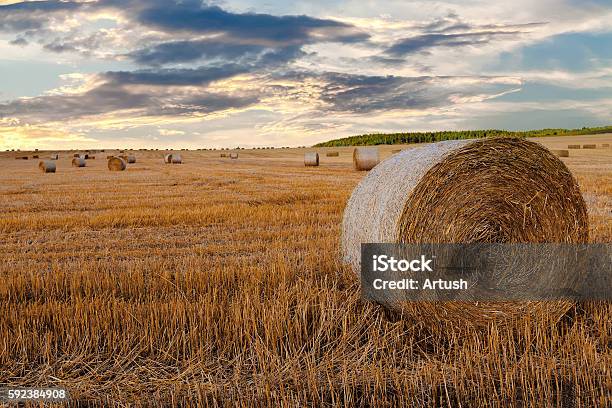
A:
(605, 145)
(574, 146)
(233, 155)
(46, 166)
(332, 154)
(589, 146)
(365, 158)
(168, 158)
(311, 159)
(78, 162)
(116, 164)
(560, 153)
(499, 190)
(131, 159)
(177, 159)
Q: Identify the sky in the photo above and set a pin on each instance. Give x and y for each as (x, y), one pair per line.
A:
(196, 74)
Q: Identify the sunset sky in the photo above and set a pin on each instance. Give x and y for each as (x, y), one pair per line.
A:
(190, 74)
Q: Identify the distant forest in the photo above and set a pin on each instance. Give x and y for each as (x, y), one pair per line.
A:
(428, 137)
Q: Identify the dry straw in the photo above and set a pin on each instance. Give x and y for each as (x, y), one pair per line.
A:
(500, 190)
(332, 154)
(46, 166)
(311, 159)
(223, 155)
(168, 158)
(78, 162)
(574, 146)
(365, 158)
(589, 146)
(116, 164)
(177, 159)
(233, 155)
(561, 153)
(605, 145)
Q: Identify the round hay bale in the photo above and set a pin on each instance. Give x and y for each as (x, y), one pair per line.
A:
(605, 145)
(332, 154)
(574, 146)
(498, 190)
(131, 159)
(46, 166)
(168, 158)
(223, 155)
(116, 164)
(589, 146)
(177, 159)
(76, 155)
(78, 162)
(35, 156)
(560, 153)
(233, 155)
(311, 159)
(90, 157)
(365, 158)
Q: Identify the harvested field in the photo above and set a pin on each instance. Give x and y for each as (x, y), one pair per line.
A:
(220, 282)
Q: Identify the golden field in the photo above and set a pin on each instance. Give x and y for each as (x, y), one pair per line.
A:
(218, 282)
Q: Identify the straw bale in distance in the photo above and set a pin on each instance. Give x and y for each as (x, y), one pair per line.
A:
(46, 166)
(561, 153)
(116, 164)
(78, 162)
(589, 146)
(223, 155)
(605, 145)
(573, 146)
(177, 159)
(332, 154)
(168, 158)
(233, 155)
(76, 155)
(35, 156)
(421, 195)
(365, 158)
(311, 159)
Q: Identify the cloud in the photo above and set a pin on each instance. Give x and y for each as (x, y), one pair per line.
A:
(33, 15)
(194, 17)
(451, 31)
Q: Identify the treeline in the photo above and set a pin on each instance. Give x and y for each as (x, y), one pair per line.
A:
(428, 137)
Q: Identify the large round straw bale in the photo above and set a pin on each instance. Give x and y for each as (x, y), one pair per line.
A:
(365, 158)
(589, 146)
(573, 146)
(561, 153)
(233, 155)
(332, 154)
(176, 158)
(168, 158)
(311, 159)
(116, 164)
(46, 166)
(499, 190)
(131, 159)
(78, 162)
